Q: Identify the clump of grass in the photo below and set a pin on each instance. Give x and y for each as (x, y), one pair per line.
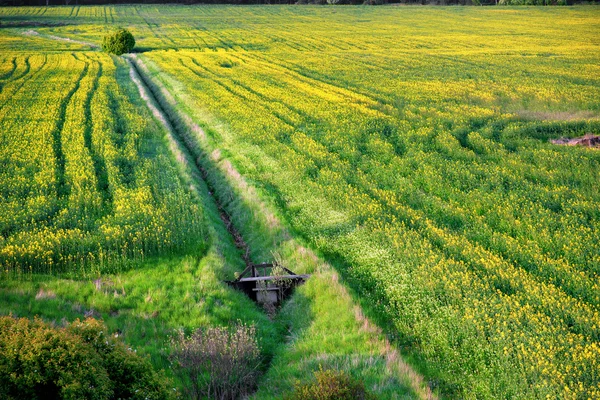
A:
(219, 362)
(228, 64)
(331, 384)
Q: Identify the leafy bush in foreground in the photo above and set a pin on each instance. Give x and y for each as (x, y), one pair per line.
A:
(79, 361)
(119, 42)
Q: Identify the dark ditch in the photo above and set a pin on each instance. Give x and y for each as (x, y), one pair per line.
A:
(267, 289)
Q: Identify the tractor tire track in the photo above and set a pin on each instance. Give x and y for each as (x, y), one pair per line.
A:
(6, 77)
(99, 163)
(62, 188)
(26, 77)
(8, 74)
(154, 28)
(236, 92)
(325, 85)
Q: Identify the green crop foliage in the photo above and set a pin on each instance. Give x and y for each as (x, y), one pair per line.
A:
(86, 184)
(417, 158)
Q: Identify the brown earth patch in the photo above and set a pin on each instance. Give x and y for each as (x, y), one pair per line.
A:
(588, 140)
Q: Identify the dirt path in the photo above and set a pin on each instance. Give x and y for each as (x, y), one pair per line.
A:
(31, 32)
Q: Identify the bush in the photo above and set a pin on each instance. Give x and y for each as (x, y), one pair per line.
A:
(217, 363)
(118, 42)
(331, 385)
(79, 361)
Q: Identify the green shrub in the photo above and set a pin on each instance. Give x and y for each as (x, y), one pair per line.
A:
(331, 385)
(80, 361)
(118, 42)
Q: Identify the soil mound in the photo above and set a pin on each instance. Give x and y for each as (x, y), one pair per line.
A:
(588, 140)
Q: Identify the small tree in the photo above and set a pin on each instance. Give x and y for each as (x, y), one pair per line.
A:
(119, 42)
(217, 363)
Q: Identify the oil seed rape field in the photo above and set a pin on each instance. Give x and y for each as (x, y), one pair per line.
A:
(85, 184)
(409, 145)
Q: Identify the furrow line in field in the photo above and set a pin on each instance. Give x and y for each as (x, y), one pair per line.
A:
(544, 278)
(61, 185)
(27, 76)
(307, 117)
(100, 170)
(137, 10)
(6, 77)
(157, 30)
(543, 275)
(317, 82)
(185, 31)
(26, 71)
(215, 36)
(8, 74)
(442, 240)
(235, 92)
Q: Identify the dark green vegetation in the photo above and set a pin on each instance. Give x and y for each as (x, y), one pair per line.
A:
(409, 146)
(311, 2)
(119, 42)
(80, 360)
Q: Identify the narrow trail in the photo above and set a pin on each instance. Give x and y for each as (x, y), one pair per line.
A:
(32, 32)
(182, 150)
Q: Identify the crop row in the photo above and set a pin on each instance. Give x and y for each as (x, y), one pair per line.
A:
(86, 184)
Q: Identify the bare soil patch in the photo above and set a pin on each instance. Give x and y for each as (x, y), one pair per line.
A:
(588, 140)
